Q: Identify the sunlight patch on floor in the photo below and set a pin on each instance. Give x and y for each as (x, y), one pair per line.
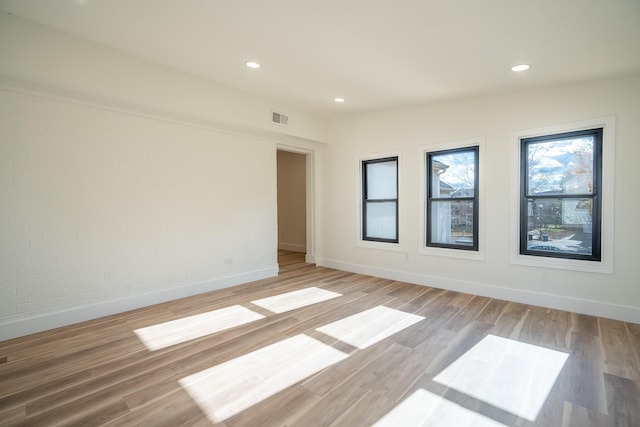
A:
(188, 328)
(295, 299)
(368, 327)
(423, 408)
(231, 387)
(508, 374)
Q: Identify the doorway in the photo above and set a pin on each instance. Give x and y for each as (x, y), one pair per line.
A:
(292, 184)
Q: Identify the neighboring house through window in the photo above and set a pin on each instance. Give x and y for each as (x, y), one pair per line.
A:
(560, 195)
(452, 198)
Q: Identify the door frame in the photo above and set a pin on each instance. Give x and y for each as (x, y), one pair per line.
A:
(310, 172)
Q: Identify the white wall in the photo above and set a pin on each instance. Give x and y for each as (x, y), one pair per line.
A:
(105, 211)
(292, 182)
(495, 120)
(124, 183)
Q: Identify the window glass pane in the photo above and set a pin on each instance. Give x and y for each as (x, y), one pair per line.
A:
(381, 220)
(382, 180)
(452, 222)
(560, 226)
(453, 174)
(563, 166)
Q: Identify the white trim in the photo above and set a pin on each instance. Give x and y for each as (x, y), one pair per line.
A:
(386, 246)
(382, 246)
(310, 171)
(560, 302)
(423, 249)
(606, 265)
(93, 311)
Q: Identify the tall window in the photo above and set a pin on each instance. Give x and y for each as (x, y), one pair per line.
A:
(452, 198)
(380, 200)
(560, 199)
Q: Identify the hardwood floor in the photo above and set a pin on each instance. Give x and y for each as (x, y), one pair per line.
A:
(346, 349)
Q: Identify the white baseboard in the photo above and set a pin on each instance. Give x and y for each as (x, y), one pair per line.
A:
(310, 259)
(294, 247)
(93, 311)
(559, 302)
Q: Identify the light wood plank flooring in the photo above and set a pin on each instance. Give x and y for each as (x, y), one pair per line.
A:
(346, 349)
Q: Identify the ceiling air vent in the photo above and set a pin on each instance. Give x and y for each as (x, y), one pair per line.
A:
(279, 118)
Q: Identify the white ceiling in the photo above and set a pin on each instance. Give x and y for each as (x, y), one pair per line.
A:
(376, 54)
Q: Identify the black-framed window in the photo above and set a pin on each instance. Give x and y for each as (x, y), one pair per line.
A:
(380, 200)
(452, 198)
(560, 200)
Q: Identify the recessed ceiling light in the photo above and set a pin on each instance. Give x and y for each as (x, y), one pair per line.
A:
(520, 67)
(252, 64)
(338, 99)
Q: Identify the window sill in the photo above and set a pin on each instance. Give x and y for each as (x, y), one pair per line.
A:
(452, 253)
(601, 267)
(385, 246)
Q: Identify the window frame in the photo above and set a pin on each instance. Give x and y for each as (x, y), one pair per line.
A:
(365, 200)
(429, 199)
(606, 264)
(595, 195)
